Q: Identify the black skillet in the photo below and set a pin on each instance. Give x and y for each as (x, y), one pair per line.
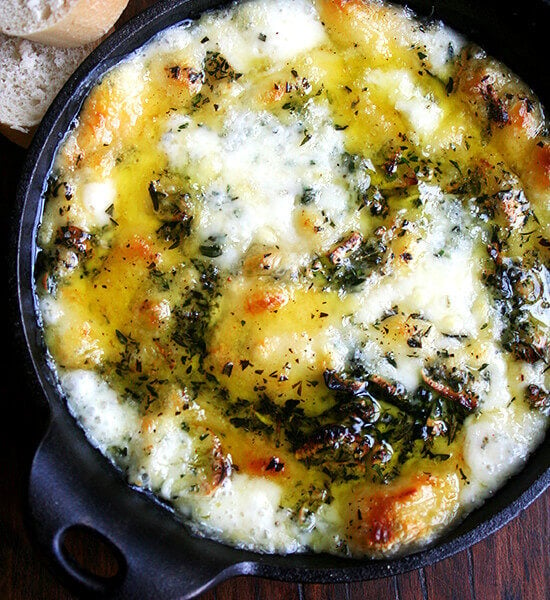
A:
(72, 484)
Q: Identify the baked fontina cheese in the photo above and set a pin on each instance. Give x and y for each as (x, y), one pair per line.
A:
(294, 274)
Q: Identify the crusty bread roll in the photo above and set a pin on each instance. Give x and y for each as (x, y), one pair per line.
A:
(65, 23)
(31, 75)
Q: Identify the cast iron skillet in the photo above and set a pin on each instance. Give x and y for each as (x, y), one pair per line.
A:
(71, 483)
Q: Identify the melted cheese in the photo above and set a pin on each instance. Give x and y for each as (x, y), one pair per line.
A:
(293, 275)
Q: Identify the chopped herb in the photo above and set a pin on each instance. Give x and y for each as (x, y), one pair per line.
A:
(211, 250)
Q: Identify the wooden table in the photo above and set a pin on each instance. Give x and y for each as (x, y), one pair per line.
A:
(513, 564)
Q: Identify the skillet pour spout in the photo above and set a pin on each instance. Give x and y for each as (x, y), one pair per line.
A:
(72, 484)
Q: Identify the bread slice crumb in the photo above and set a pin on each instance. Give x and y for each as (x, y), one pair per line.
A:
(31, 75)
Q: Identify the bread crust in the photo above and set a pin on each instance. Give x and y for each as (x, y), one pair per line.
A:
(85, 22)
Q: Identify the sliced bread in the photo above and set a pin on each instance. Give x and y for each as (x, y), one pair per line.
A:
(65, 23)
(31, 75)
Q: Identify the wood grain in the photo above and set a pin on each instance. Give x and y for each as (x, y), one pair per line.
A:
(513, 564)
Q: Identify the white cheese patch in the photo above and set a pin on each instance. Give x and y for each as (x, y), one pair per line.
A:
(441, 45)
(443, 281)
(166, 457)
(496, 446)
(257, 204)
(181, 41)
(269, 31)
(406, 370)
(107, 419)
(498, 393)
(443, 289)
(416, 106)
(249, 508)
(51, 310)
(96, 198)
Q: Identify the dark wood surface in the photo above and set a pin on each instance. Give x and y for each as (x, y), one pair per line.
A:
(513, 564)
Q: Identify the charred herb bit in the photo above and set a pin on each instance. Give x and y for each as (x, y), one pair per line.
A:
(129, 357)
(227, 369)
(275, 464)
(54, 186)
(391, 391)
(375, 201)
(456, 165)
(497, 112)
(121, 337)
(169, 202)
(306, 138)
(192, 316)
(185, 74)
(414, 342)
(199, 100)
(345, 248)
(537, 398)
(161, 279)
(243, 414)
(515, 287)
(293, 106)
(403, 425)
(427, 453)
(331, 438)
(174, 72)
(514, 205)
(119, 454)
(217, 68)
(390, 357)
(190, 329)
(276, 421)
(156, 194)
(212, 250)
(194, 76)
(309, 195)
(510, 205)
(338, 383)
(222, 464)
(350, 263)
(451, 385)
(75, 239)
(208, 275)
(173, 209)
(175, 232)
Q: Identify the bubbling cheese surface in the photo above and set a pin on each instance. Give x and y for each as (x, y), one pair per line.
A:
(294, 274)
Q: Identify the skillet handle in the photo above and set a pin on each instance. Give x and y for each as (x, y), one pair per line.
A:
(72, 485)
